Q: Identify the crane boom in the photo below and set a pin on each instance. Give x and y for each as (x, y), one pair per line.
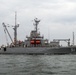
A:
(7, 31)
(67, 40)
(61, 39)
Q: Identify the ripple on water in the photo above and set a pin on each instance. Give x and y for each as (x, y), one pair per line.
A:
(37, 64)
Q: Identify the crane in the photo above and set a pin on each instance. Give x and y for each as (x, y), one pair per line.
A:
(6, 30)
(66, 40)
(15, 30)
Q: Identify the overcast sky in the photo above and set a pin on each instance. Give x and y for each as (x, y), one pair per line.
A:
(58, 18)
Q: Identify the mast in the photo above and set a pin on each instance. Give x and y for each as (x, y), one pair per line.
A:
(36, 23)
(73, 38)
(15, 30)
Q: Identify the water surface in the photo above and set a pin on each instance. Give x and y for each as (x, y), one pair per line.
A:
(37, 64)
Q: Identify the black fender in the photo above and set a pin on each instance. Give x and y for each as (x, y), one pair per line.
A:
(5, 48)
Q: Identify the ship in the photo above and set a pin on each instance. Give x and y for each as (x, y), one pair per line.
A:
(35, 43)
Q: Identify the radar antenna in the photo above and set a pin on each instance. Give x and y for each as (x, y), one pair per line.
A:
(36, 23)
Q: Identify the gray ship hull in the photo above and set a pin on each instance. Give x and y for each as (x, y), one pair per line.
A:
(38, 50)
